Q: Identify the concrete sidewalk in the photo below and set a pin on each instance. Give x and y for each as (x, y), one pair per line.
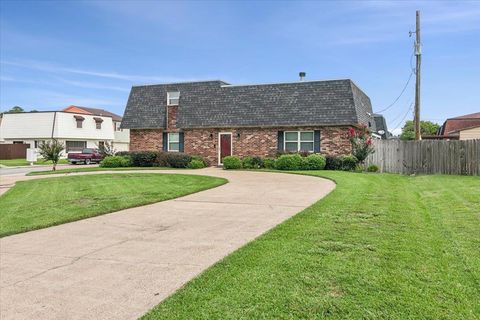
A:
(120, 265)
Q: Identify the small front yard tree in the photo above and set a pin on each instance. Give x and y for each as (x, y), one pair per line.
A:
(51, 151)
(361, 143)
(106, 149)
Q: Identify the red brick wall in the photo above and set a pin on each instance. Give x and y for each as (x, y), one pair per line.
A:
(260, 141)
(334, 141)
(145, 139)
(245, 141)
(172, 118)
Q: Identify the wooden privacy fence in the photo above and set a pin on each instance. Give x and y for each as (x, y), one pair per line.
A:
(427, 156)
(13, 151)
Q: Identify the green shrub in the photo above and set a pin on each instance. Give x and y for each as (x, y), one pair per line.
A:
(202, 159)
(252, 163)
(115, 162)
(232, 162)
(372, 168)
(140, 158)
(196, 164)
(349, 162)
(313, 162)
(177, 159)
(269, 163)
(289, 162)
(333, 163)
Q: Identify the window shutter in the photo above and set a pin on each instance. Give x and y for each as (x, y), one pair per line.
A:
(316, 141)
(280, 141)
(165, 141)
(180, 140)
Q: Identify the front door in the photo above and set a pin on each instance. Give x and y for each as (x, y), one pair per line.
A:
(225, 146)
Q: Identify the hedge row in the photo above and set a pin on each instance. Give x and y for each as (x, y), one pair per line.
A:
(298, 161)
(153, 159)
(284, 162)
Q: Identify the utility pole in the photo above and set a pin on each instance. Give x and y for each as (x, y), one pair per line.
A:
(418, 55)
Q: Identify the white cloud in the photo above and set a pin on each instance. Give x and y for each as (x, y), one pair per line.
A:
(51, 68)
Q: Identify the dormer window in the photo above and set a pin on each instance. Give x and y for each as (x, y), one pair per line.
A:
(173, 98)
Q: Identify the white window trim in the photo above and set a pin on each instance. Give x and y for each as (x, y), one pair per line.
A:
(299, 141)
(219, 147)
(168, 98)
(168, 142)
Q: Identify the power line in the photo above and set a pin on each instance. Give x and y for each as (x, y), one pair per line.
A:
(401, 121)
(401, 93)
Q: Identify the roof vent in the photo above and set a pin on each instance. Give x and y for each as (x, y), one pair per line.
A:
(302, 75)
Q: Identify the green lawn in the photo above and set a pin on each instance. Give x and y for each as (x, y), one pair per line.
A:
(379, 246)
(42, 203)
(87, 169)
(23, 162)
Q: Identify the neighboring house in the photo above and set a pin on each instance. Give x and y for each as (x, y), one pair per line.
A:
(463, 128)
(381, 126)
(77, 130)
(121, 138)
(215, 119)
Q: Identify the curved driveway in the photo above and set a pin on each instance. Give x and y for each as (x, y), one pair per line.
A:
(120, 265)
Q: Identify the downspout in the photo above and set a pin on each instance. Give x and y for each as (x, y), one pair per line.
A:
(53, 124)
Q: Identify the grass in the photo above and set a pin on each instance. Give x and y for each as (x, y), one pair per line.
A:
(379, 246)
(46, 202)
(23, 162)
(87, 169)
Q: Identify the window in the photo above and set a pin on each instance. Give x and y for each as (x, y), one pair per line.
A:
(298, 141)
(117, 126)
(174, 141)
(98, 122)
(17, 142)
(75, 145)
(79, 120)
(38, 143)
(173, 98)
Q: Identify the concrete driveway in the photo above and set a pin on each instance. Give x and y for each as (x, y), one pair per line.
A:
(120, 265)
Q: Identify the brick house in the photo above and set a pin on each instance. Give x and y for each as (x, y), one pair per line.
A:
(215, 119)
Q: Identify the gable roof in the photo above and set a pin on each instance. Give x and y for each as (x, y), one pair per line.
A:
(216, 104)
(456, 124)
(93, 111)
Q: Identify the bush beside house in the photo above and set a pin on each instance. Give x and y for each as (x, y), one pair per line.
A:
(153, 159)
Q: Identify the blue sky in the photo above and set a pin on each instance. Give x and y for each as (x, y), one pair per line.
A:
(57, 53)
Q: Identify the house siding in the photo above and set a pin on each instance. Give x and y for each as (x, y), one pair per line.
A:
(245, 141)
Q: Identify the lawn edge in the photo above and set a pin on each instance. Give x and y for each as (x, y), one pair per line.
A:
(253, 240)
(223, 182)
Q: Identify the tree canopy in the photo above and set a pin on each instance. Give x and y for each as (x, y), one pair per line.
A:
(426, 128)
(16, 109)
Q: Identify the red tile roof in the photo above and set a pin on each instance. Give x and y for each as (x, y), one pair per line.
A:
(93, 111)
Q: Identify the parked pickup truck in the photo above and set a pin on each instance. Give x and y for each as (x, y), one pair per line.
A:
(87, 156)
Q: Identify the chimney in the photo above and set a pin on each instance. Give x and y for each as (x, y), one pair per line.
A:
(302, 75)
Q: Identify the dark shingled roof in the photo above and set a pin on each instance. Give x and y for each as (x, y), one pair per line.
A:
(216, 104)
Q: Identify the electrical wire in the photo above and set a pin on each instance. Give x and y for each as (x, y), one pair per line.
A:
(401, 93)
(412, 72)
(406, 114)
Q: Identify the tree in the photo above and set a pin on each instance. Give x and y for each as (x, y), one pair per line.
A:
(426, 128)
(51, 151)
(106, 149)
(16, 109)
(361, 143)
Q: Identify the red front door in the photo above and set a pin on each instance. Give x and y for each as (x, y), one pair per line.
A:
(225, 146)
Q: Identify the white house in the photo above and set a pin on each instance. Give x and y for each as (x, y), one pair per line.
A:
(77, 130)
